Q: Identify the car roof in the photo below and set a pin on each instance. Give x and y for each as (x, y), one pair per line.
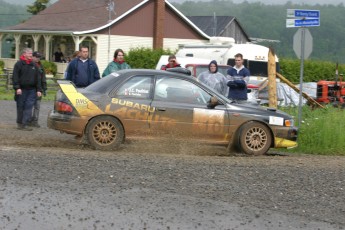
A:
(106, 83)
(154, 72)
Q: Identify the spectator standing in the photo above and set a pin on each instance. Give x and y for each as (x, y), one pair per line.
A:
(83, 71)
(214, 79)
(58, 56)
(27, 86)
(117, 64)
(36, 56)
(238, 79)
(172, 63)
(74, 55)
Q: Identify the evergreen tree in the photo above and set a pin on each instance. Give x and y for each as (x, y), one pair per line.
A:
(37, 6)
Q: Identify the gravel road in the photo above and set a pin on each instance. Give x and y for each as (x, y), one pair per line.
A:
(49, 181)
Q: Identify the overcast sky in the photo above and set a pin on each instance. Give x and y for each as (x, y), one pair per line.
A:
(267, 2)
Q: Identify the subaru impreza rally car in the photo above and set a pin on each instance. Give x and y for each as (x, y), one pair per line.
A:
(161, 104)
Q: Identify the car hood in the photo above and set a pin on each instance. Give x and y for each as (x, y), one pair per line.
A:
(257, 110)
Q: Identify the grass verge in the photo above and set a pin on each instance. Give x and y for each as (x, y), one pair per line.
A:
(321, 131)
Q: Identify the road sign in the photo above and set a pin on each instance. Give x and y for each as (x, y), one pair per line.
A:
(302, 41)
(308, 44)
(293, 22)
(292, 13)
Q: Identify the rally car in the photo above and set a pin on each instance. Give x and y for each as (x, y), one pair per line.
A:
(163, 104)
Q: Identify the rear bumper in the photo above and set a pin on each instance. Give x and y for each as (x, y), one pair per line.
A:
(66, 123)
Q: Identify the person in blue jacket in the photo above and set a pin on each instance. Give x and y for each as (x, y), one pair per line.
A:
(83, 71)
(238, 76)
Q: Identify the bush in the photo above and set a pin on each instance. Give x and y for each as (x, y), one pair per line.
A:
(49, 67)
(2, 65)
(145, 58)
(313, 71)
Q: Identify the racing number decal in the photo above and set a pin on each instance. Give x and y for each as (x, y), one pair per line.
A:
(208, 121)
(82, 104)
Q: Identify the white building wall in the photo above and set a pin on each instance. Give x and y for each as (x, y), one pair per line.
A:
(130, 42)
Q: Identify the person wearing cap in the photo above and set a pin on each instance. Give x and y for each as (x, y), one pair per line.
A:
(214, 79)
(36, 56)
(172, 63)
(238, 76)
(117, 64)
(27, 86)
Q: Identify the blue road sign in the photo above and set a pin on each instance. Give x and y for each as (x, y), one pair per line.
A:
(293, 13)
(302, 22)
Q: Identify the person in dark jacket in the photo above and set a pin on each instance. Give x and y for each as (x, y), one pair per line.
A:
(83, 71)
(117, 64)
(27, 86)
(238, 79)
(36, 110)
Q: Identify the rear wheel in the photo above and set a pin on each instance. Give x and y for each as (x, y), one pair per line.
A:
(254, 138)
(105, 133)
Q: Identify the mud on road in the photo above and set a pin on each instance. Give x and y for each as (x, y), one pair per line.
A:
(50, 181)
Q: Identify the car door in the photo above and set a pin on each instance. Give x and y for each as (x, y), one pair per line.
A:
(180, 108)
(131, 104)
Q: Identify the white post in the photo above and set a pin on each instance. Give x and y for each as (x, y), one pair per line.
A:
(17, 39)
(47, 39)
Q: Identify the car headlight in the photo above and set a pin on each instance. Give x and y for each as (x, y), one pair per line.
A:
(289, 123)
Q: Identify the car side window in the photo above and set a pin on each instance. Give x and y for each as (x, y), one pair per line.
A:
(136, 87)
(171, 89)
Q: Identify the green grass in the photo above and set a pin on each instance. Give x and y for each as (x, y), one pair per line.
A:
(321, 131)
(9, 94)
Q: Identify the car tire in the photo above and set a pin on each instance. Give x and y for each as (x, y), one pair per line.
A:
(254, 138)
(105, 133)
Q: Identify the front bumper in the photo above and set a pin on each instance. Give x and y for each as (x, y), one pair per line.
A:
(285, 138)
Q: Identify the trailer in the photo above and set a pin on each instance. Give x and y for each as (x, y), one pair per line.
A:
(224, 49)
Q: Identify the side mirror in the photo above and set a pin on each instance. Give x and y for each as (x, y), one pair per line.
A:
(212, 103)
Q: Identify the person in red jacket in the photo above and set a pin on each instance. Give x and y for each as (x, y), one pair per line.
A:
(172, 63)
(27, 87)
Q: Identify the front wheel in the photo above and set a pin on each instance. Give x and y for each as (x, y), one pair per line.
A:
(105, 133)
(255, 138)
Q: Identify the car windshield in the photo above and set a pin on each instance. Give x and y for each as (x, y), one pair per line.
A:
(101, 86)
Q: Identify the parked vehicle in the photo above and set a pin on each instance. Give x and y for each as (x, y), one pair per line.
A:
(183, 61)
(163, 104)
(331, 92)
(224, 49)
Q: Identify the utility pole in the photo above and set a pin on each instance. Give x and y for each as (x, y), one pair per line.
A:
(272, 84)
(110, 8)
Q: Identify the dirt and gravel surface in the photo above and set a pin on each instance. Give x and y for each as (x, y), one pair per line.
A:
(50, 181)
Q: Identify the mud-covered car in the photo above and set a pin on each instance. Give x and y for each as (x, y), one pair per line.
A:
(162, 104)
